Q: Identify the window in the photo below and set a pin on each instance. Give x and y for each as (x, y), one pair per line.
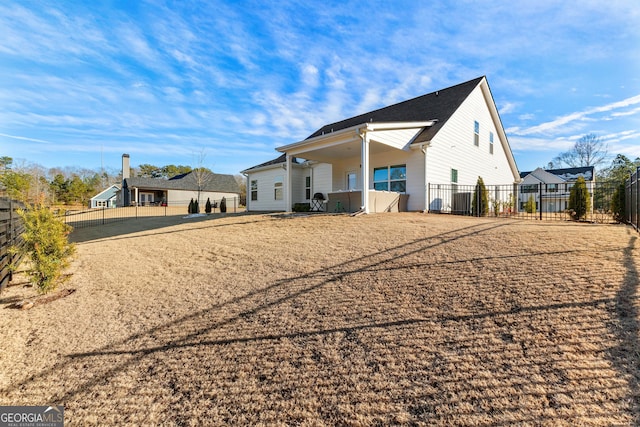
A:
(529, 188)
(390, 178)
(307, 188)
(454, 176)
(254, 190)
(552, 188)
(352, 180)
(277, 188)
(476, 134)
(490, 142)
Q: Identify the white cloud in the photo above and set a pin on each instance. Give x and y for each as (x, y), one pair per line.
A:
(561, 123)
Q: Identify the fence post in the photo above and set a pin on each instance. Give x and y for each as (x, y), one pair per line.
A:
(637, 213)
(10, 237)
(540, 199)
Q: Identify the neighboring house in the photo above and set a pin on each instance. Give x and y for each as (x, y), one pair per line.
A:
(550, 188)
(384, 160)
(106, 198)
(176, 191)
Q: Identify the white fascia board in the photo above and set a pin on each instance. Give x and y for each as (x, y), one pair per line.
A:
(493, 109)
(338, 136)
(398, 125)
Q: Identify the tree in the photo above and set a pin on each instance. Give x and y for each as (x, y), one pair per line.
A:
(618, 203)
(480, 202)
(579, 199)
(201, 175)
(530, 205)
(45, 243)
(149, 171)
(17, 184)
(5, 163)
(620, 169)
(589, 150)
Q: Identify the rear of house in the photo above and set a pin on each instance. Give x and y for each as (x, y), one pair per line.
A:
(385, 159)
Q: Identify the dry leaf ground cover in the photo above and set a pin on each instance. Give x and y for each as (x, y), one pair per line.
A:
(388, 319)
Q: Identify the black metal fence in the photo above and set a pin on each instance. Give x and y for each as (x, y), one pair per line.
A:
(632, 200)
(104, 215)
(537, 201)
(11, 228)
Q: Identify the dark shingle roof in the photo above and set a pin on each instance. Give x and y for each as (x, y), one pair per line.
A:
(218, 182)
(569, 174)
(277, 161)
(439, 105)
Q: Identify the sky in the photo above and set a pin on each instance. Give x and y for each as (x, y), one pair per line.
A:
(223, 83)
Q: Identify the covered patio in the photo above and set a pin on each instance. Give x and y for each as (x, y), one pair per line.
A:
(375, 166)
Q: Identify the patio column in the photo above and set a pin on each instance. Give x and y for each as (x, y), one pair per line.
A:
(365, 170)
(288, 194)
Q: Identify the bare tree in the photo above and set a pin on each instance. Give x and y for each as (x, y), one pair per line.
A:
(589, 150)
(201, 175)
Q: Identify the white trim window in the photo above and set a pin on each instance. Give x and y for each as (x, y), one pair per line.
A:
(254, 190)
(390, 178)
(476, 133)
(307, 188)
(277, 188)
(490, 142)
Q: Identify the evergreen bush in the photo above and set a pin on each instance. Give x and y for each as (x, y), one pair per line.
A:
(190, 207)
(207, 206)
(579, 200)
(46, 245)
(480, 202)
(618, 204)
(530, 205)
(196, 207)
(223, 205)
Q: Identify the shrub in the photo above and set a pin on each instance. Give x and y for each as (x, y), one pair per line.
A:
(207, 206)
(223, 205)
(480, 202)
(530, 205)
(301, 207)
(579, 199)
(196, 207)
(46, 245)
(618, 203)
(190, 209)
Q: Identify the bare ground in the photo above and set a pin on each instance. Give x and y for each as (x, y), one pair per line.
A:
(332, 320)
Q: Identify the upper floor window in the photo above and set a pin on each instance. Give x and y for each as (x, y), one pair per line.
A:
(490, 142)
(454, 176)
(476, 134)
(390, 178)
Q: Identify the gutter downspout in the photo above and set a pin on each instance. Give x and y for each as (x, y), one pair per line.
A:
(364, 148)
(423, 148)
(247, 192)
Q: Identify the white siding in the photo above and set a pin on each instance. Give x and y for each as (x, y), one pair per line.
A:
(266, 198)
(183, 197)
(453, 147)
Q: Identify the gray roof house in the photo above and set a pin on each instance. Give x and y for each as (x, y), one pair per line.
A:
(176, 191)
(550, 188)
(106, 198)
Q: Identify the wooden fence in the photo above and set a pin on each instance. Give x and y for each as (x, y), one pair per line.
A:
(10, 230)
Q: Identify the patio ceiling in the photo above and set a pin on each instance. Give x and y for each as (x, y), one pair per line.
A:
(347, 143)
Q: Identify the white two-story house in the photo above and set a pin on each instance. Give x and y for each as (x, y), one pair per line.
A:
(385, 159)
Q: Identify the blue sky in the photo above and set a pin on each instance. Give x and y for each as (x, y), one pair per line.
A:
(83, 82)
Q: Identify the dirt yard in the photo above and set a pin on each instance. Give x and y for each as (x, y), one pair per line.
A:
(402, 319)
